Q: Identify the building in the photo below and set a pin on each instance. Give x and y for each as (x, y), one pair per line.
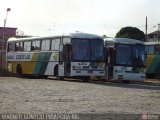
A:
(5, 34)
(154, 36)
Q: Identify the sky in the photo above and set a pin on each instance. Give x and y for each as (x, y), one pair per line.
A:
(52, 17)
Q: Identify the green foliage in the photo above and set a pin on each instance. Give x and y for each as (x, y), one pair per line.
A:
(104, 36)
(131, 32)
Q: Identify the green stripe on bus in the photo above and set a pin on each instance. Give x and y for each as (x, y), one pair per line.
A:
(45, 63)
(42, 63)
(154, 67)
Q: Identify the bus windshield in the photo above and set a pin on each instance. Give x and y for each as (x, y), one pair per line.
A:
(124, 55)
(139, 55)
(88, 49)
(130, 55)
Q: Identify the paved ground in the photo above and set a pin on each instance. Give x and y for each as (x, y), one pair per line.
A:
(40, 96)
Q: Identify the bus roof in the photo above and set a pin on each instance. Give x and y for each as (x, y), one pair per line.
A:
(84, 35)
(152, 43)
(71, 35)
(124, 41)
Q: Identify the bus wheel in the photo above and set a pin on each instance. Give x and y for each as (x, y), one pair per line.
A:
(56, 71)
(86, 79)
(125, 81)
(61, 78)
(19, 70)
(150, 76)
(44, 76)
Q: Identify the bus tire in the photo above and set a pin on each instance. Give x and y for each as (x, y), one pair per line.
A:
(56, 71)
(150, 76)
(61, 78)
(43, 76)
(85, 79)
(19, 70)
(125, 81)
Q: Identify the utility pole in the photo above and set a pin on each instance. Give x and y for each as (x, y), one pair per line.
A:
(3, 63)
(49, 31)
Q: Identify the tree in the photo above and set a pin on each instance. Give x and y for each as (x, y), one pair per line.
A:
(131, 32)
(104, 36)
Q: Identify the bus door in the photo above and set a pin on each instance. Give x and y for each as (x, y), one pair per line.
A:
(61, 61)
(67, 59)
(110, 62)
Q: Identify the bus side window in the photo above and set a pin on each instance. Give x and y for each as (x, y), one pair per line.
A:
(19, 46)
(11, 46)
(55, 43)
(27, 46)
(45, 46)
(146, 47)
(32, 47)
(150, 49)
(157, 50)
(35, 45)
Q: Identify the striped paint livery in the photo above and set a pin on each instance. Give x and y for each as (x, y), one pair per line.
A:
(42, 63)
(153, 64)
(38, 64)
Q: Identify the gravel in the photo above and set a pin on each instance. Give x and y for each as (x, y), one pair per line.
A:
(47, 96)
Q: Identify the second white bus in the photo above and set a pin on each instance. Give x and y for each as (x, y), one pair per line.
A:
(125, 59)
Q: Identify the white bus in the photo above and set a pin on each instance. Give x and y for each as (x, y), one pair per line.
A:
(126, 59)
(72, 55)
